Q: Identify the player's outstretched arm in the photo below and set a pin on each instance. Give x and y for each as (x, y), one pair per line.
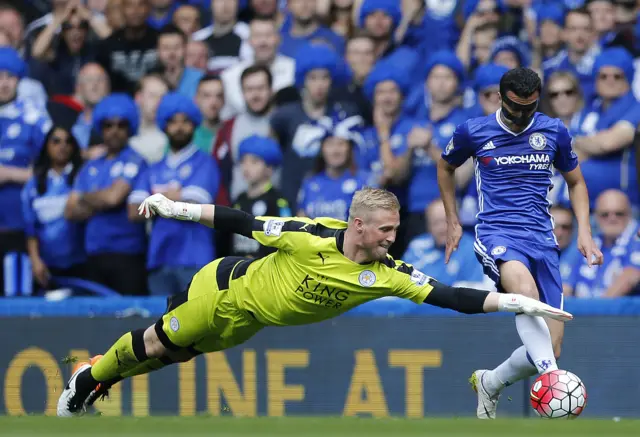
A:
(219, 217)
(473, 301)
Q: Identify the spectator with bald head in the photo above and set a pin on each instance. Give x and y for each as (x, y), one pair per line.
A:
(619, 275)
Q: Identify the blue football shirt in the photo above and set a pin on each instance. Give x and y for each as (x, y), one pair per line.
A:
(22, 131)
(513, 173)
(173, 242)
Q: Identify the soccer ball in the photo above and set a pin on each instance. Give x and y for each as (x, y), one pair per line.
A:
(558, 394)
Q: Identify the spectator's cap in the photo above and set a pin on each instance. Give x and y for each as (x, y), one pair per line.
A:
(470, 6)
(389, 7)
(615, 57)
(511, 44)
(382, 72)
(117, 105)
(317, 56)
(175, 103)
(11, 61)
(488, 75)
(449, 60)
(550, 12)
(263, 147)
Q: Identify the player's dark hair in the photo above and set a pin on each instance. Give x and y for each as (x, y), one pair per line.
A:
(523, 82)
(578, 11)
(255, 69)
(172, 29)
(43, 163)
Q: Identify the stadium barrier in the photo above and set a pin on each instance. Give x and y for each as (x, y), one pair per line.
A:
(386, 358)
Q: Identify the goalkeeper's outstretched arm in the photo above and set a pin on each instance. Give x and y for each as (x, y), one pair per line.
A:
(474, 301)
(218, 217)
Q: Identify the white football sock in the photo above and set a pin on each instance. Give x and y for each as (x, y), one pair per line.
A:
(513, 369)
(536, 337)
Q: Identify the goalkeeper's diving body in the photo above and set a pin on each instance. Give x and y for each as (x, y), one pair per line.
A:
(321, 269)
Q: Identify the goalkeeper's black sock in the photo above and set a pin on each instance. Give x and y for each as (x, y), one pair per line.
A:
(125, 354)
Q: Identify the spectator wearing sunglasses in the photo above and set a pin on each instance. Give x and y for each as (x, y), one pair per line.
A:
(64, 46)
(55, 245)
(606, 128)
(562, 97)
(619, 275)
(115, 246)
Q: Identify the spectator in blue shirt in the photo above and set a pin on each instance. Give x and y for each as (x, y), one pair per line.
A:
(439, 118)
(385, 140)
(620, 273)
(115, 246)
(605, 132)
(177, 250)
(172, 47)
(23, 128)
(328, 192)
(55, 245)
(299, 126)
(426, 252)
(305, 28)
(580, 52)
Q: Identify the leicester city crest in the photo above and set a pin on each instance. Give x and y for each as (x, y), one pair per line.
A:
(367, 278)
(537, 141)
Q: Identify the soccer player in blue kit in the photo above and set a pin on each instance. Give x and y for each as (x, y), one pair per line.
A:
(515, 151)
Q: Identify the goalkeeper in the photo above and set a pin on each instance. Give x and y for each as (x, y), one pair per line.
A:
(321, 269)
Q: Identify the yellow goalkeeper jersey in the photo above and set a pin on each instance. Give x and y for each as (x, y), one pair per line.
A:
(308, 279)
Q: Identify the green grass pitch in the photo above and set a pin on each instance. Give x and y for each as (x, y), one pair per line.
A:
(311, 427)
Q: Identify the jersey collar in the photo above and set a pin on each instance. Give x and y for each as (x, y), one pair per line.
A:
(506, 129)
(340, 240)
(176, 159)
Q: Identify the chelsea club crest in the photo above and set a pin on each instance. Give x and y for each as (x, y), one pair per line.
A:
(537, 141)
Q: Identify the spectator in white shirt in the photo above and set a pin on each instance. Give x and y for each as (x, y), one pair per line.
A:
(264, 40)
(150, 142)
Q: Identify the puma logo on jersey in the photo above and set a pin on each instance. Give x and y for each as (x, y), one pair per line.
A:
(322, 257)
(304, 227)
(489, 146)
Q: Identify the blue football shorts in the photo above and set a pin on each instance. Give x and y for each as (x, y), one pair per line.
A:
(542, 262)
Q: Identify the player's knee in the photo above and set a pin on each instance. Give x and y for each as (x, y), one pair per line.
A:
(525, 288)
(152, 344)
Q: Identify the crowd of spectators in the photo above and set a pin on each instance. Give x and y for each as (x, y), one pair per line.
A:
(287, 107)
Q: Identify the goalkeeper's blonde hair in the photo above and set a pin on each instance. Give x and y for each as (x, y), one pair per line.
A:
(370, 199)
